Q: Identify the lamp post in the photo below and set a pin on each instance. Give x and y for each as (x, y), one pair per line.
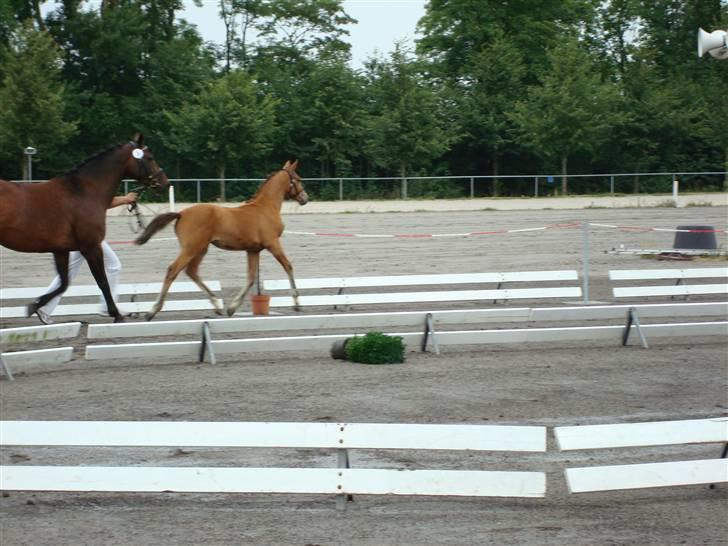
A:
(30, 151)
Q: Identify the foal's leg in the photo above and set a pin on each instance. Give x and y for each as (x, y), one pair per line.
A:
(277, 250)
(172, 271)
(253, 260)
(95, 259)
(193, 273)
(61, 259)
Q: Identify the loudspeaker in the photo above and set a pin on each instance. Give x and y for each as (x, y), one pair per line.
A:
(715, 43)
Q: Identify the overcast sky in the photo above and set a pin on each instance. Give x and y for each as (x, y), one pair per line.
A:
(380, 24)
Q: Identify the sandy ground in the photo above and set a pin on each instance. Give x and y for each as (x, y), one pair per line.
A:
(547, 385)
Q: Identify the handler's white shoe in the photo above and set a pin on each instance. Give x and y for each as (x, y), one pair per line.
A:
(44, 317)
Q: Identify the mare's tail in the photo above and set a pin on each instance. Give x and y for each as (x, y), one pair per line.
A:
(155, 225)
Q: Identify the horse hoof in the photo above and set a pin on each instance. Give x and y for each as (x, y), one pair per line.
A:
(219, 312)
(119, 318)
(230, 311)
(31, 309)
(148, 316)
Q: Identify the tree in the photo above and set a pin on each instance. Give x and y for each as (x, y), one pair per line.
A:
(571, 110)
(488, 96)
(32, 97)
(228, 123)
(404, 129)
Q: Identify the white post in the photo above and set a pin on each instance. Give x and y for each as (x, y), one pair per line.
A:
(585, 261)
(675, 185)
(171, 198)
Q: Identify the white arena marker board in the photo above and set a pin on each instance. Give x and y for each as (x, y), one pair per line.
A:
(261, 434)
(466, 337)
(30, 334)
(694, 431)
(422, 280)
(275, 480)
(93, 290)
(39, 356)
(653, 274)
(640, 476)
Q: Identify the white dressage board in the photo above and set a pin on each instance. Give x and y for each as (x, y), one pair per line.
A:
(335, 481)
(645, 475)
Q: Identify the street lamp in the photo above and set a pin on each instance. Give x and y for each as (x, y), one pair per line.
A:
(30, 151)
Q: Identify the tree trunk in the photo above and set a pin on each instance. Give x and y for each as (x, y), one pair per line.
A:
(496, 167)
(564, 179)
(221, 176)
(403, 174)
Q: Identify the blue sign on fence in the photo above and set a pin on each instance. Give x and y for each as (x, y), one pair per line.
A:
(550, 179)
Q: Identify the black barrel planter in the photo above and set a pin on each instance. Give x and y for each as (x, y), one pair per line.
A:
(699, 237)
(338, 349)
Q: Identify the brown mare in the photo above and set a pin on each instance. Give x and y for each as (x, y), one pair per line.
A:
(253, 226)
(68, 212)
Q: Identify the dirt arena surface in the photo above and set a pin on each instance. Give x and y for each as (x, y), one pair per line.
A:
(547, 385)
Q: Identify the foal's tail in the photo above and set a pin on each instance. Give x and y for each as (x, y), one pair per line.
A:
(155, 225)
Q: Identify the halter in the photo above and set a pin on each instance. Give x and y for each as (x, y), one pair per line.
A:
(292, 186)
(151, 177)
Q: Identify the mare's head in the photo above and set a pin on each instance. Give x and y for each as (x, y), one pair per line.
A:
(142, 166)
(295, 188)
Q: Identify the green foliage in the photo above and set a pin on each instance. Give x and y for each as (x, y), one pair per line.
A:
(375, 348)
(495, 88)
(32, 95)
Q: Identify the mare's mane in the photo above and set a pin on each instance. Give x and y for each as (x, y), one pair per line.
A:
(89, 159)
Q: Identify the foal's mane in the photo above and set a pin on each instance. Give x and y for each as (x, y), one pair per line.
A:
(263, 184)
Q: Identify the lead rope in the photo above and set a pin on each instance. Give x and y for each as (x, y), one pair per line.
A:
(136, 220)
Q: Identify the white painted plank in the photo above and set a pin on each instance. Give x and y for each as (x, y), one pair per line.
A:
(93, 290)
(381, 320)
(463, 483)
(30, 334)
(448, 437)
(274, 480)
(161, 479)
(429, 297)
(694, 431)
(422, 280)
(640, 476)
(684, 273)
(669, 290)
(40, 356)
(169, 434)
(307, 322)
(130, 307)
(262, 434)
(463, 337)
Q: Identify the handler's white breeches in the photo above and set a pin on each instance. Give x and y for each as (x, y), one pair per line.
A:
(112, 265)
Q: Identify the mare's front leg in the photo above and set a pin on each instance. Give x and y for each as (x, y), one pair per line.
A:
(277, 251)
(61, 259)
(253, 261)
(95, 259)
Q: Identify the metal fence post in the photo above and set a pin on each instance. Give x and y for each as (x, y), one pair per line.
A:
(341, 189)
(404, 188)
(535, 187)
(472, 187)
(199, 195)
(611, 184)
(585, 261)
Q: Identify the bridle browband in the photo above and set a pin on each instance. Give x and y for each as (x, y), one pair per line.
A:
(151, 177)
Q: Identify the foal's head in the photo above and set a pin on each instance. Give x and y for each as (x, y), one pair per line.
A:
(142, 166)
(295, 188)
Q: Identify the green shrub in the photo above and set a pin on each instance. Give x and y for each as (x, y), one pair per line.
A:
(375, 348)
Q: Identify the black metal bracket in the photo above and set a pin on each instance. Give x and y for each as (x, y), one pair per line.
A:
(206, 344)
(429, 334)
(632, 318)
